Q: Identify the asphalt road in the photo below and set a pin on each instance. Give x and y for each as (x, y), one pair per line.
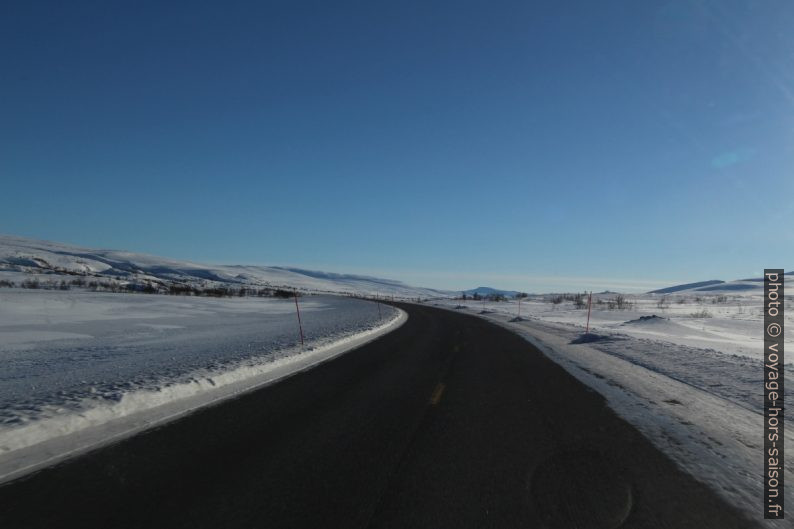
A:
(449, 421)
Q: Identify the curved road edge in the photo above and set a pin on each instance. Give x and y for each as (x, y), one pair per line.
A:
(17, 463)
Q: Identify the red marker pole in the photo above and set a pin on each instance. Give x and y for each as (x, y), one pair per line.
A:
(298, 311)
(519, 307)
(589, 304)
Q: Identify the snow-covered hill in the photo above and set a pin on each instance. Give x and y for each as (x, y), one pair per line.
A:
(688, 286)
(24, 259)
(488, 291)
(716, 286)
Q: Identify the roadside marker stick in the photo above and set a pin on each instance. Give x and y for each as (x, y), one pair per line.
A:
(519, 307)
(589, 304)
(298, 311)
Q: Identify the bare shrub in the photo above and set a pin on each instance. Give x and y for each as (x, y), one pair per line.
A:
(579, 301)
(178, 289)
(31, 283)
(619, 302)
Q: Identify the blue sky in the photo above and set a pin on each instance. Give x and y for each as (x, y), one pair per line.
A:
(527, 145)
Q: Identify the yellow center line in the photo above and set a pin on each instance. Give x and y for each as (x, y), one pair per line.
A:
(436, 396)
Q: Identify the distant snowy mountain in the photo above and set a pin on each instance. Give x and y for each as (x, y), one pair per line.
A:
(22, 258)
(716, 286)
(488, 291)
(687, 286)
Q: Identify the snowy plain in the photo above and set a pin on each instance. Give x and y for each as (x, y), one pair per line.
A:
(75, 360)
(690, 382)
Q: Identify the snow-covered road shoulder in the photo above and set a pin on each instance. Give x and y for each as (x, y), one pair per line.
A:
(72, 428)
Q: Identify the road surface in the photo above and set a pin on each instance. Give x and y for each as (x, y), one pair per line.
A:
(449, 421)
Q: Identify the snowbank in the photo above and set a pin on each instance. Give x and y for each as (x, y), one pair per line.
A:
(120, 363)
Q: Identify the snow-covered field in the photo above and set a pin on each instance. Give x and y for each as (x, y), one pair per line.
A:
(690, 379)
(77, 360)
(729, 324)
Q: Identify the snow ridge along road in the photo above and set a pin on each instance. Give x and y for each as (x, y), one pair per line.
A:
(182, 355)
